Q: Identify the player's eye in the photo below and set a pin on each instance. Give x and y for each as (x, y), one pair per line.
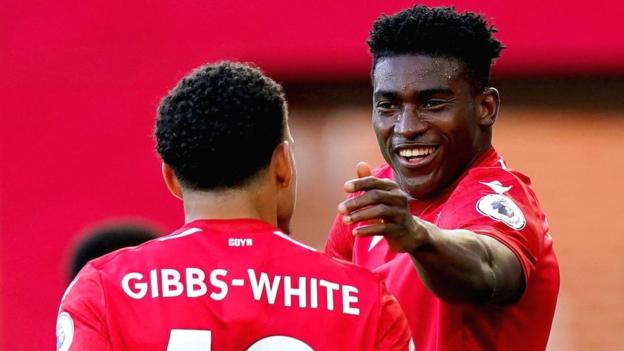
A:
(434, 104)
(386, 106)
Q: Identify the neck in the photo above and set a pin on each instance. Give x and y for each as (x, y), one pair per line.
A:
(227, 204)
(482, 150)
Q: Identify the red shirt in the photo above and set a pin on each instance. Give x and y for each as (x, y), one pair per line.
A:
(488, 199)
(227, 285)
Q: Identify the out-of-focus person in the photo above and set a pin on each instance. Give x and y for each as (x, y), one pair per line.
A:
(108, 237)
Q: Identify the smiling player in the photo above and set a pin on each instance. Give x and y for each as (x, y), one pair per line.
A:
(467, 250)
(231, 278)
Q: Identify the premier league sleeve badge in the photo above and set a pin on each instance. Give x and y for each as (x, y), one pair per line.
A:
(64, 331)
(500, 207)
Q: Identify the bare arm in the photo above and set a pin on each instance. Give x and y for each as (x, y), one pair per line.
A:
(463, 266)
(456, 265)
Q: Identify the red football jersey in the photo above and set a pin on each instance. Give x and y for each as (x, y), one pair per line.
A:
(489, 199)
(227, 285)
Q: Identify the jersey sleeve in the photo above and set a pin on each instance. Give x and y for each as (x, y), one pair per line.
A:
(393, 332)
(502, 206)
(340, 240)
(81, 323)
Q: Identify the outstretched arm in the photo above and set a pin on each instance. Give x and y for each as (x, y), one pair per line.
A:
(456, 265)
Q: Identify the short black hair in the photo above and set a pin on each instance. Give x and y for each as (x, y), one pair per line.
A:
(108, 238)
(438, 32)
(219, 126)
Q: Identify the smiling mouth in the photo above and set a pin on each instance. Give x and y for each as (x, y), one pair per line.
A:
(415, 155)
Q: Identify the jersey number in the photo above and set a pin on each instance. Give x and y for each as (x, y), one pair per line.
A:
(201, 340)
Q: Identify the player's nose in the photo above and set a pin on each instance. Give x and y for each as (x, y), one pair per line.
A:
(409, 124)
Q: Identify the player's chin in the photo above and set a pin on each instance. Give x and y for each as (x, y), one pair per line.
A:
(419, 182)
(419, 186)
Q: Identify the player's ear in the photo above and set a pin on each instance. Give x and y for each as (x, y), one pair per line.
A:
(488, 104)
(283, 164)
(171, 181)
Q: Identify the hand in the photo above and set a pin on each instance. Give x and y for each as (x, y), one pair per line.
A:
(385, 207)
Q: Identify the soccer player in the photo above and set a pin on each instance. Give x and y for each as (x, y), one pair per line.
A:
(231, 278)
(467, 251)
(108, 238)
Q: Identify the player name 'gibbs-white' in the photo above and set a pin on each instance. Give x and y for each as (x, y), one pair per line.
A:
(169, 283)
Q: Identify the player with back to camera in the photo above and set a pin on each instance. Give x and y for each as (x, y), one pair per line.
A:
(230, 278)
(467, 251)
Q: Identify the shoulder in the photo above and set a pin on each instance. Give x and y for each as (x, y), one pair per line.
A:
(154, 249)
(497, 192)
(321, 263)
(369, 285)
(362, 273)
(88, 279)
(84, 297)
(123, 255)
(490, 170)
(499, 179)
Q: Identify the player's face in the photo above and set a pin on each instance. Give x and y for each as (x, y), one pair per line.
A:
(286, 200)
(425, 119)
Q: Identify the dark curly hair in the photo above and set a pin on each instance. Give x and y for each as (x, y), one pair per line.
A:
(219, 126)
(108, 238)
(438, 32)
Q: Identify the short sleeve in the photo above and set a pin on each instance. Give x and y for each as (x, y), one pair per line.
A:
(81, 323)
(393, 332)
(502, 206)
(340, 240)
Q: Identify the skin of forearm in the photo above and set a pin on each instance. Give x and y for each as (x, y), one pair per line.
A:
(456, 265)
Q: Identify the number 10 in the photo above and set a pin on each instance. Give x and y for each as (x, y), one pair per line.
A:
(201, 340)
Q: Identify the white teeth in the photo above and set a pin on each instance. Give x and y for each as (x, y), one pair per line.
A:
(417, 151)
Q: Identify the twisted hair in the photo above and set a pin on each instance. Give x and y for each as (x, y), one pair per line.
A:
(438, 32)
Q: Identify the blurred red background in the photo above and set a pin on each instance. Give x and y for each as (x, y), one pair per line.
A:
(81, 82)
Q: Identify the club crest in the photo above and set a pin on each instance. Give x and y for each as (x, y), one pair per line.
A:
(64, 331)
(503, 209)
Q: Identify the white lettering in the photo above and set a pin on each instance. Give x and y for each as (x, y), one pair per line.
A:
(214, 280)
(348, 299)
(313, 293)
(236, 242)
(171, 286)
(154, 282)
(195, 285)
(289, 292)
(140, 288)
(330, 288)
(257, 286)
